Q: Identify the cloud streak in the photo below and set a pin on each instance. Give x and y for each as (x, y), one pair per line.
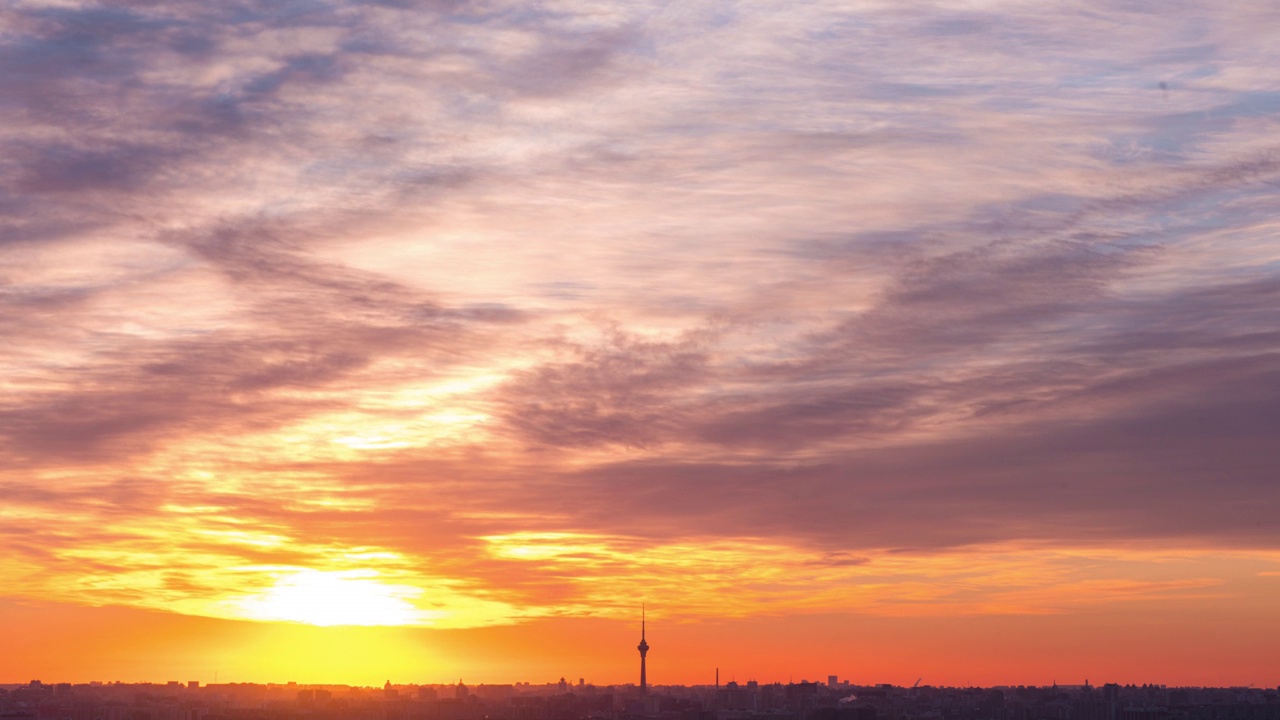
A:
(521, 305)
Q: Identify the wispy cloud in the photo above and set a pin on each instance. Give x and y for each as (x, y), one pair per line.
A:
(519, 304)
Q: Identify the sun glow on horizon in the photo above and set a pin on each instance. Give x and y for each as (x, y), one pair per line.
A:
(350, 597)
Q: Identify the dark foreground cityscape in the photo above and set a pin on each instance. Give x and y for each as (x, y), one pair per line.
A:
(835, 699)
(832, 700)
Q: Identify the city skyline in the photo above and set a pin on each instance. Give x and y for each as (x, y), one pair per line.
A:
(345, 340)
(831, 682)
(833, 700)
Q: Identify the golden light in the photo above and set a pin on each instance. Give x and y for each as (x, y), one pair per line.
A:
(349, 597)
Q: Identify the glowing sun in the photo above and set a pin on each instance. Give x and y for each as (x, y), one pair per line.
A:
(349, 597)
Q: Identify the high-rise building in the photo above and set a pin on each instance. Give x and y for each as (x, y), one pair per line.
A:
(643, 647)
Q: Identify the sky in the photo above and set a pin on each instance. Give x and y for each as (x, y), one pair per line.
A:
(345, 341)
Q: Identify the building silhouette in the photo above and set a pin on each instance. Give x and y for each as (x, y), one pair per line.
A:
(643, 647)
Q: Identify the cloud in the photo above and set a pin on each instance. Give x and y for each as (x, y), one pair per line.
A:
(530, 303)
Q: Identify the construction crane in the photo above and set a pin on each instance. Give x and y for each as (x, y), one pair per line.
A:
(913, 687)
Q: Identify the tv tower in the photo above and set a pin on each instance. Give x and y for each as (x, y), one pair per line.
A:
(643, 647)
